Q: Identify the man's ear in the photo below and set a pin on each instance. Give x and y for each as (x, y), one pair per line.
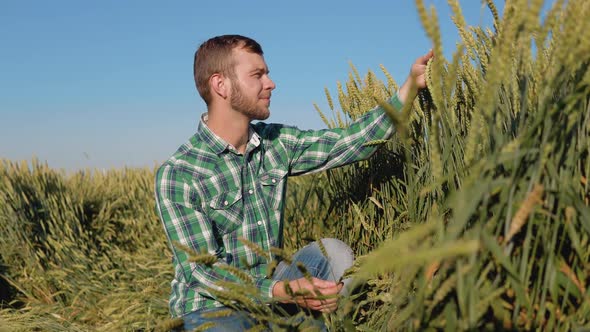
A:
(218, 84)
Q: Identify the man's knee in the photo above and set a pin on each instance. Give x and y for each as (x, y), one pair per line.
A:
(340, 257)
(337, 250)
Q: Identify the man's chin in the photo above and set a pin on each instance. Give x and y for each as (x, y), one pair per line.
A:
(261, 116)
(258, 114)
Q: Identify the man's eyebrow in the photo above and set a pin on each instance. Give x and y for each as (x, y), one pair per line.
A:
(260, 70)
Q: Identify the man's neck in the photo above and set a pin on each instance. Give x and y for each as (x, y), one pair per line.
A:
(232, 129)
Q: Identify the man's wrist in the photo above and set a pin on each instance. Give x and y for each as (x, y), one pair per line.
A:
(278, 291)
(275, 289)
(265, 286)
(396, 101)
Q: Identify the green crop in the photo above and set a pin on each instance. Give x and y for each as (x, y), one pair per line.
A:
(474, 216)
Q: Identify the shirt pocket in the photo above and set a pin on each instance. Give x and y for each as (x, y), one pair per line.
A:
(227, 211)
(273, 185)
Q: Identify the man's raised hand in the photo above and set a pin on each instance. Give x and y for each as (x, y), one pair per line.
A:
(416, 79)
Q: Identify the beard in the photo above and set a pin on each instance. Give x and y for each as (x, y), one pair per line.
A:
(247, 106)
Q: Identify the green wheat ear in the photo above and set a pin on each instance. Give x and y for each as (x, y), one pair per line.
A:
(204, 327)
(170, 324)
(85, 251)
(376, 142)
(255, 248)
(239, 273)
(219, 313)
(258, 328)
(322, 248)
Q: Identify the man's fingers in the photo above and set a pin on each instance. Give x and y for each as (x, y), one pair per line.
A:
(327, 287)
(320, 295)
(324, 287)
(329, 308)
(319, 299)
(330, 290)
(323, 306)
(320, 283)
(423, 60)
(316, 296)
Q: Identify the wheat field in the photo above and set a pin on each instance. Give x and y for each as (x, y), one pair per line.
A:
(474, 216)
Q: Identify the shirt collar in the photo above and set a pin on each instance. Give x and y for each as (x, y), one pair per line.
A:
(216, 143)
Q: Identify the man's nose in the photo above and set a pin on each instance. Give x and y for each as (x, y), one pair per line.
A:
(270, 84)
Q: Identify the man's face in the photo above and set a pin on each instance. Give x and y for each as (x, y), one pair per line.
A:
(251, 86)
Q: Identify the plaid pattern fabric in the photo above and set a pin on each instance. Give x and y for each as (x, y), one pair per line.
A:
(208, 195)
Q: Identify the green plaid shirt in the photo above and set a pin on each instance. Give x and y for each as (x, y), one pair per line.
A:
(208, 195)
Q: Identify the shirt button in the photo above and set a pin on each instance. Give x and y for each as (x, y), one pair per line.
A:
(250, 191)
(274, 181)
(259, 222)
(225, 203)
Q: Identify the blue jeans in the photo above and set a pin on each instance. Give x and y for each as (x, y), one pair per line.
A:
(339, 258)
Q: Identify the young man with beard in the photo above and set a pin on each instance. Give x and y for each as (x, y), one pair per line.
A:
(229, 180)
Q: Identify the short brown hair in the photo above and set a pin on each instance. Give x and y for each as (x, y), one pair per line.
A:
(215, 56)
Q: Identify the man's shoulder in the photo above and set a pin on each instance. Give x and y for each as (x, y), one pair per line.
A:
(192, 159)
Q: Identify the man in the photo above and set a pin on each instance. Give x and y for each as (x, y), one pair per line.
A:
(228, 182)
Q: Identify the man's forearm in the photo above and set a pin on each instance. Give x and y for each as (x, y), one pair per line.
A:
(407, 92)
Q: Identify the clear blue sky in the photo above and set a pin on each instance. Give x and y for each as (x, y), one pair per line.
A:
(102, 84)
